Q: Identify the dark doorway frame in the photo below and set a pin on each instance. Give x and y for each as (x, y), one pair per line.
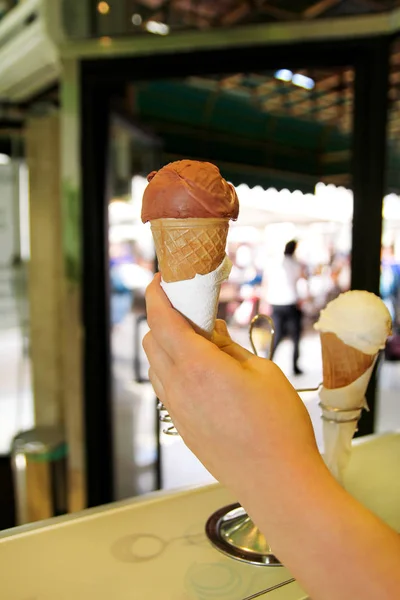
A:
(104, 79)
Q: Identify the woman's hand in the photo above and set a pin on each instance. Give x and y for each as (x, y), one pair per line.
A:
(242, 418)
(234, 410)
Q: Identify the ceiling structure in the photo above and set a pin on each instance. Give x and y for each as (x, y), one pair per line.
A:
(183, 14)
(316, 104)
(224, 121)
(329, 102)
(256, 119)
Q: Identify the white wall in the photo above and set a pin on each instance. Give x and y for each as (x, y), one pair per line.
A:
(8, 242)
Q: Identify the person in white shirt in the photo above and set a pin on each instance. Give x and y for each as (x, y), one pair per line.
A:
(282, 295)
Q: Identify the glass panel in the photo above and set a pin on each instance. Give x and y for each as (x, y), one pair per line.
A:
(16, 398)
(133, 154)
(283, 139)
(388, 373)
(387, 417)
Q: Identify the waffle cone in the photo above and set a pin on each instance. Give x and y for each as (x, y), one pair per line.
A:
(341, 363)
(189, 247)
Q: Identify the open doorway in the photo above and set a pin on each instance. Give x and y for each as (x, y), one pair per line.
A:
(259, 126)
(277, 136)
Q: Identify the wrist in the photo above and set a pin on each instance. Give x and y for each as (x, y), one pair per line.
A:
(279, 477)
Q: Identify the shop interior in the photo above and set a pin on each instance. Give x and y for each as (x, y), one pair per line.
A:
(297, 102)
(287, 126)
(304, 195)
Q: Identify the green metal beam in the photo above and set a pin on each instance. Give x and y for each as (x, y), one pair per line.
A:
(286, 33)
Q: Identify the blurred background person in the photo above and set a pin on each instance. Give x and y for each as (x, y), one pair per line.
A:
(282, 280)
(389, 283)
(121, 288)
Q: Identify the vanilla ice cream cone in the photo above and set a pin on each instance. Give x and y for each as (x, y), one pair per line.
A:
(341, 363)
(353, 329)
(189, 247)
(341, 409)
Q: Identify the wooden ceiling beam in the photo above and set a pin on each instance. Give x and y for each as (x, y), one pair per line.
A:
(278, 13)
(335, 156)
(376, 5)
(319, 8)
(234, 16)
(153, 4)
(338, 180)
(331, 82)
(301, 110)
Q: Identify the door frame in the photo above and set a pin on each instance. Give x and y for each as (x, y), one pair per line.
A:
(103, 79)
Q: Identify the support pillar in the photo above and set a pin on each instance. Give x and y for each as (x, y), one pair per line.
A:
(95, 123)
(73, 331)
(45, 268)
(368, 170)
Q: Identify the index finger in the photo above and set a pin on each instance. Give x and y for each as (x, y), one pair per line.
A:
(171, 330)
(223, 340)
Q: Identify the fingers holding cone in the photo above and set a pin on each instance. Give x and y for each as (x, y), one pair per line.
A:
(224, 342)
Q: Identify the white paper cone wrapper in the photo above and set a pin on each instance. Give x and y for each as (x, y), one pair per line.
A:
(197, 298)
(339, 434)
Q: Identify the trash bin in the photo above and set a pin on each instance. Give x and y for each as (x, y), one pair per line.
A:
(39, 474)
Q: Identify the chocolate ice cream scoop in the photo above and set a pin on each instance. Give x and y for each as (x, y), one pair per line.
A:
(189, 189)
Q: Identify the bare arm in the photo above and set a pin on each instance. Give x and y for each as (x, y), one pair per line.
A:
(265, 452)
(324, 536)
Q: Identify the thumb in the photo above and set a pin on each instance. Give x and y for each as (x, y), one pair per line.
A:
(224, 342)
(221, 328)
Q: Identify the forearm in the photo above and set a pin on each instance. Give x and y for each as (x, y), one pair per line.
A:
(334, 546)
(243, 419)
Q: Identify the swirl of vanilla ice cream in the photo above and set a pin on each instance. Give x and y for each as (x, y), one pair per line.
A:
(360, 319)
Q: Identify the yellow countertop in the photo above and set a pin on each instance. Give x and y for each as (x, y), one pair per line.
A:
(155, 548)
